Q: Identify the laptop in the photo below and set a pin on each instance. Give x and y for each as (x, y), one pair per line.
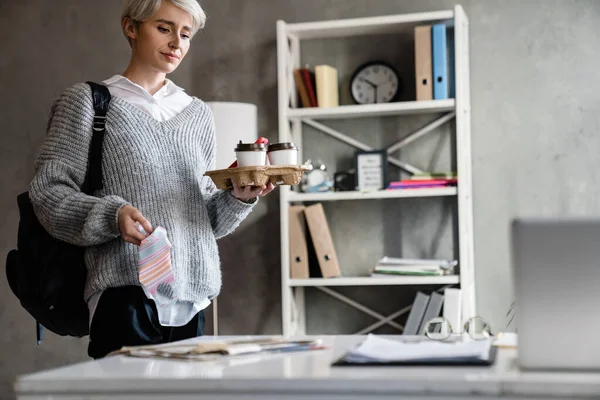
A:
(556, 272)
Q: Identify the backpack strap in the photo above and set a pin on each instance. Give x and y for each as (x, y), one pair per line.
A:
(93, 179)
(101, 98)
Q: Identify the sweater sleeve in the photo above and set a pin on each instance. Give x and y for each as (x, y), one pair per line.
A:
(65, 212)
(226, 212)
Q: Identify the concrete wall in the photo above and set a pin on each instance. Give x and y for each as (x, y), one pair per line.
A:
(534, 126)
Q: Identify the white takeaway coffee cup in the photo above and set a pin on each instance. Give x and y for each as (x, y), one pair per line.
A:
(283, 154)
(251, 154)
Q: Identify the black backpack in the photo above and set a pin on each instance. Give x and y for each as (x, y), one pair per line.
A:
(48, 275)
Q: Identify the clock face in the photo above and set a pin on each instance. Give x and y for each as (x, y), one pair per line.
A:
(375, 83)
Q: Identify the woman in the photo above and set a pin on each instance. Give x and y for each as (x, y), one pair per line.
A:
(158, 143)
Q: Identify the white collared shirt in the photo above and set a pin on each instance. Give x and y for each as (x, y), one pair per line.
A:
(166, 103)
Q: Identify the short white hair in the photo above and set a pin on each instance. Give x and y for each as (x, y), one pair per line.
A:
(144, 10)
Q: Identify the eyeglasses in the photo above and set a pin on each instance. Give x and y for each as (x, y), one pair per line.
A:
(440, 328)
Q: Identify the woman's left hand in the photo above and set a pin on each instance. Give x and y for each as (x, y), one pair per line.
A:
(250, 192)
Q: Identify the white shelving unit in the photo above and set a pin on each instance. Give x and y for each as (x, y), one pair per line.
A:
(372, 281)
(291, 121)
(373, 110)
(392, 194)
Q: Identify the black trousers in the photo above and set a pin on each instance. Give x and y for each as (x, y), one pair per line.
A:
(124, 316)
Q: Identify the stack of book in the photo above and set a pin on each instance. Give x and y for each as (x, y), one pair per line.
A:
(427, 180)
(390, 266)
(319, 88)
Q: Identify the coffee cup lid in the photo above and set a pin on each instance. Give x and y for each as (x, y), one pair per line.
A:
(282, 146)
(250, 146)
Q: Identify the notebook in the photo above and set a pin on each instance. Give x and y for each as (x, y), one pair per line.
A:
(377, 350)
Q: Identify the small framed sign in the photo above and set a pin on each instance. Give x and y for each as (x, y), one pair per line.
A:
(371, 170)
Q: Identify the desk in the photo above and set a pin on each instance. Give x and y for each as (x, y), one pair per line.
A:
(295, 376)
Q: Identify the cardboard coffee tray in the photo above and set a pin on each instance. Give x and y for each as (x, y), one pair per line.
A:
(257, 175)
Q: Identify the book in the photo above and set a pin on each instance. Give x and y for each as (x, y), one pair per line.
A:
(305, 86)
(309, 80)
(452, 309)
(415, 316)
(407, 266)
(326, 78)
(434, 308)
(386, 260)
(423, 182)
(434, 175)
(301, 88)
(387, 272)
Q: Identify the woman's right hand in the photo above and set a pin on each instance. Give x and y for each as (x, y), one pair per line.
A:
(128, 216)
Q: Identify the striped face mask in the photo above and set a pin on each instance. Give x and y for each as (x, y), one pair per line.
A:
(155, 269)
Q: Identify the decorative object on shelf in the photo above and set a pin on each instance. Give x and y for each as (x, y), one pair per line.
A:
(375, 82)
(316, 179)
(371, 170)
(233, 122)
(344, 181)
(257, 175)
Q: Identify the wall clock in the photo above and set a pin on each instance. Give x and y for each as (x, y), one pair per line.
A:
(375, 82)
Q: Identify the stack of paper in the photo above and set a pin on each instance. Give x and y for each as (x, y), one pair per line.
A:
(378, 350)
(214, 350)
(406, 266)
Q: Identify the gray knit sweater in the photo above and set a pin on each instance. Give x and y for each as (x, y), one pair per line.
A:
(154, 166)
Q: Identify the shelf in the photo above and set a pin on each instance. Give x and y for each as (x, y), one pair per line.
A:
(382, 194)
(373, 110)
(365, 26)
(383, 281)
(294, 42)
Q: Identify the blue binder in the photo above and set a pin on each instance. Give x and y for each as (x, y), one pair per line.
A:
(439, 61)
(451, 63)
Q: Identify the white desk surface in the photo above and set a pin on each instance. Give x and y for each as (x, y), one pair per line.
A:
(300, 375)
